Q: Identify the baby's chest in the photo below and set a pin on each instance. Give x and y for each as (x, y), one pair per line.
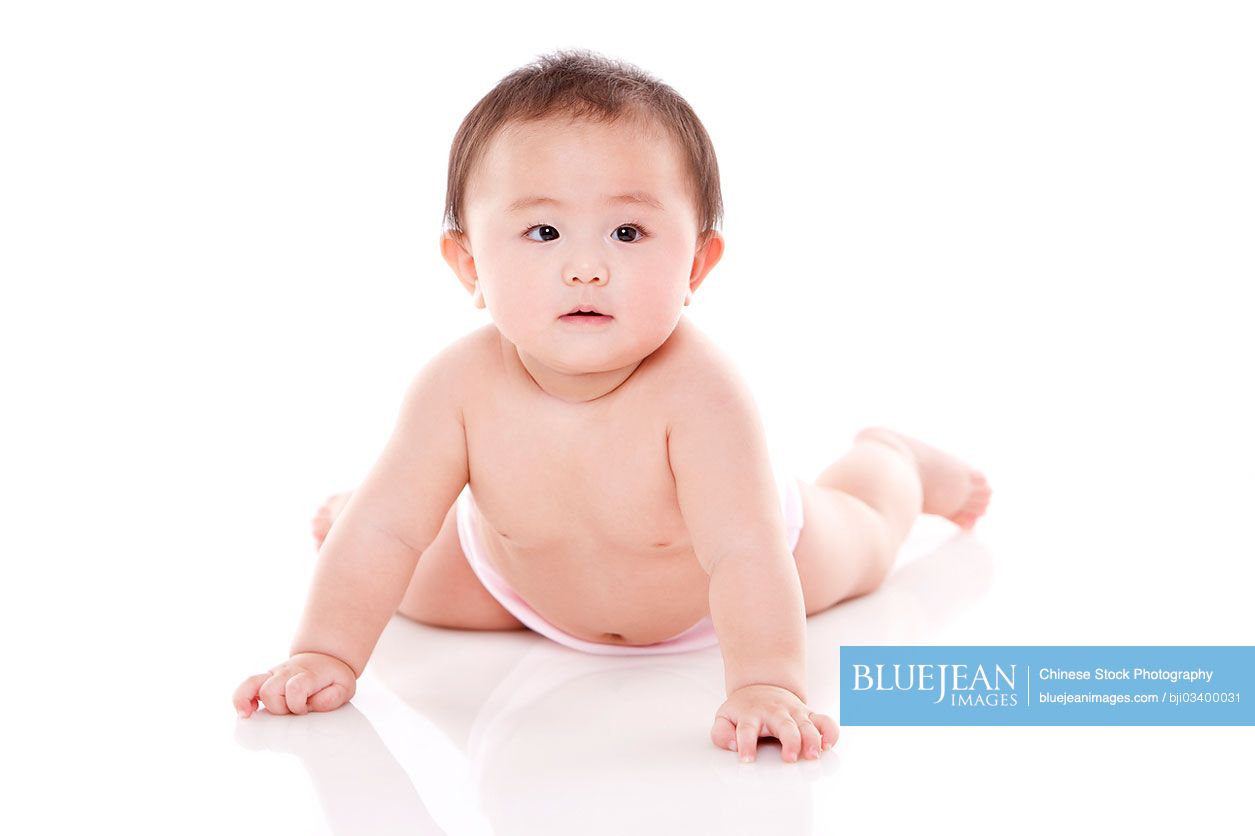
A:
(589, 485)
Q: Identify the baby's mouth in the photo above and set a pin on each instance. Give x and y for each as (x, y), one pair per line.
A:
(587, 317)
(590, 312)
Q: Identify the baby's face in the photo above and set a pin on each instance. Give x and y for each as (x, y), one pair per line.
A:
(594, 240)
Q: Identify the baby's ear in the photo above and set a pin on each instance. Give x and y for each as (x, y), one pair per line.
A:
(453, 246)
(456, 251)
(709, 251)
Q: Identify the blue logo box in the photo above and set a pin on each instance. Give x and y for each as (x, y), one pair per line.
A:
(1047, 686)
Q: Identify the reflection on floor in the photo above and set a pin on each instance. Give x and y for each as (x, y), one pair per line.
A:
(481, 732)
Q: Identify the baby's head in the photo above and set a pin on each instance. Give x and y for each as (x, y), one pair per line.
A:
(582, 182)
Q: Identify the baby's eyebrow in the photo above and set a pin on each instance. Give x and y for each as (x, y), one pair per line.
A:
(629, 197)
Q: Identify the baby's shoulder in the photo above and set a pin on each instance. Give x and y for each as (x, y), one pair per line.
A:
(461, 367)
(479, 349)
(694, 368)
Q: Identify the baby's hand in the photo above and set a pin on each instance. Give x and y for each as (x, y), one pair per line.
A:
(324, 681)
(770, 711)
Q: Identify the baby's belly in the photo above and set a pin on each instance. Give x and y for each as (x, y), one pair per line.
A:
(613, 596)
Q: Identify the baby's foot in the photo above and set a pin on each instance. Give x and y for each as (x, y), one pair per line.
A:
(952, 489)
(326, 515)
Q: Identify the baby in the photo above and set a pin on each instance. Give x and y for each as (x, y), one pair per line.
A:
(590, 465)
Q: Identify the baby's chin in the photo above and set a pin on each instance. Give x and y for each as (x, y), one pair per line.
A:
(580, 363)
(587, 345)
(582, 355)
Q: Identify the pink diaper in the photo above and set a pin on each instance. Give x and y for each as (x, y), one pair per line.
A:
(700, 635)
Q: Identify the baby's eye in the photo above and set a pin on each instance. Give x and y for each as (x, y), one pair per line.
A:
(636, 232)
(528, 232)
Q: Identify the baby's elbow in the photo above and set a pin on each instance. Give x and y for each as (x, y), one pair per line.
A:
(738, 558)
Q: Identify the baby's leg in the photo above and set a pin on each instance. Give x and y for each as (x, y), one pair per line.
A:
(444, 591)
(861, 508)
(326, 515)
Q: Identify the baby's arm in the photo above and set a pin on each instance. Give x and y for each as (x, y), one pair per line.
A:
(369, 556)
(727, 496)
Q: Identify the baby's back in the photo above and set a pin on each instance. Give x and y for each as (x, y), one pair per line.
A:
(577, 502)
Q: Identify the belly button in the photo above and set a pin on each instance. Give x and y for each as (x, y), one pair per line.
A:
(615, 636)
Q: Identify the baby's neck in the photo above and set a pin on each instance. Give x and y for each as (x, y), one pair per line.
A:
(572, 388)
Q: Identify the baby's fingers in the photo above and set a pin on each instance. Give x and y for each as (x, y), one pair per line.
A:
(828, 728)
(271, 692)
(306, 692)
(296, 691)
(790, 736)
(330, 698)
(747, 738)
(723, 733)
(245, 697)
(812, 738)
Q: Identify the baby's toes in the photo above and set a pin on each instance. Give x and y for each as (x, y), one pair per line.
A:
(321, 521)
(973, 508)
(319, 528)
(981, 492)
(326, 515)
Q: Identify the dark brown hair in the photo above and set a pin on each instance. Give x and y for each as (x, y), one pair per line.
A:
(584, 85)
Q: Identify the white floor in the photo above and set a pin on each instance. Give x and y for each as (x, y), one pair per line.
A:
(1021, 233)
(507, 733)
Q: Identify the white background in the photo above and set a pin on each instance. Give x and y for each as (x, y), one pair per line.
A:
(1022, 232)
